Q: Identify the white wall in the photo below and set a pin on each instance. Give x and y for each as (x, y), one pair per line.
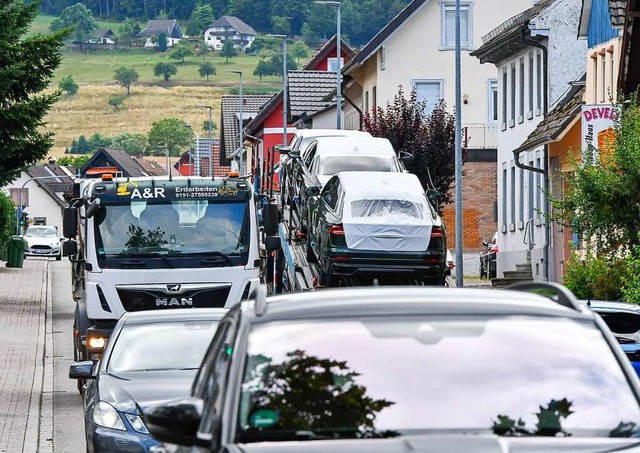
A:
(40, 202)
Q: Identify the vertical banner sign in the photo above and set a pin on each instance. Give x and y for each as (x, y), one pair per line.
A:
(597, 129)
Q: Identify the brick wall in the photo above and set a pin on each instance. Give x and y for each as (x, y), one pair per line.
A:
(479, 194)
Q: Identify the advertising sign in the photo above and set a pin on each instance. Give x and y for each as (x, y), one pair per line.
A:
(597, 127)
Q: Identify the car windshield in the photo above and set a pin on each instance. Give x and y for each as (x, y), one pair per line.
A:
(383, 208)
(331, 165)
(176, 228)
(388, 377)
(161, 346)
(39, 232)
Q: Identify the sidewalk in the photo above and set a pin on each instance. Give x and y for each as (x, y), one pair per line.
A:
(26, 377)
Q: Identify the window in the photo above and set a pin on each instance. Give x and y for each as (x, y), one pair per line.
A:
(366, 102)
(332, 64)
(383, 57)
(539, 83)
(603, 91)
(594, 57)
(504, 98)
(521, 204)
(613, 81)
(512, 196)
(448, 26)
(530, 109)
(521, 92)
(504, 196)
(15, 196)
(512, 118)
(538, 190)
(374, 97)
(492, 104)
(331, 192)
(429, 91)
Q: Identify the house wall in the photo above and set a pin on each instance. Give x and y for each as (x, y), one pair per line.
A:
(40, 202)
(523, 188)
(602, 58)
(215, 37)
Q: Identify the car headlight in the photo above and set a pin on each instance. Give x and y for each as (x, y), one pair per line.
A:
(137, 423)
(105, 415)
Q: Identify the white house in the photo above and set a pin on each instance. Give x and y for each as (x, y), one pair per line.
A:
(103, 37)
(229, 27)
(169, 28)
(43, 188)
(538, 56)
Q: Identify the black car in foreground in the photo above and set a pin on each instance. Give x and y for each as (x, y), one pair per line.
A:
(151, 357)
(409, 369)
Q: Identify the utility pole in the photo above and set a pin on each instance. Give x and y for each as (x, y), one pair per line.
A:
(210, 140)
(339, 68)
(241, 119)
(458, 158)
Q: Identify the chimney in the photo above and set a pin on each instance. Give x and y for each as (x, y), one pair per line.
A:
(52, 160)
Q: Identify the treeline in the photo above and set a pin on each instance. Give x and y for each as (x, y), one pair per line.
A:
(361, 19)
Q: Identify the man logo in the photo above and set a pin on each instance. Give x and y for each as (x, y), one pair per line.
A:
(173, 288)
(174, 302)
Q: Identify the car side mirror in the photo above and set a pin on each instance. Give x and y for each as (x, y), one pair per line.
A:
(81, 370)
(485, 243)
(69, 248)
(283, 149)
(433, 196)
(294, 154)
(312, 191)
(177, 422)
(405, 157)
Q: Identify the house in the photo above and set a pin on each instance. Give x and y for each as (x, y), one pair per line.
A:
(107, 160)
(229, 27)
(230, 126)
(266, 130)
(538, 59)
(404, 54)
(154, 28)
(104, 39)
(196, 163)
(44, 190)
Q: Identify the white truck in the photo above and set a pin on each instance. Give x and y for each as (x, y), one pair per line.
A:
(158, 244)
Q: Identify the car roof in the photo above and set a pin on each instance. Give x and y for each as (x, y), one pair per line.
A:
(606, 305)
(174, 315)
(410, 301)
(359, 146)
(329, 132)
(367, 182)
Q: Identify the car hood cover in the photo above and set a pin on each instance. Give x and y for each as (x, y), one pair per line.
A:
(33, 240)
(452, 444)
(126, 391)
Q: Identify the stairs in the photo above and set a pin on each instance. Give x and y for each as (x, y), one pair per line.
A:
(522, 273)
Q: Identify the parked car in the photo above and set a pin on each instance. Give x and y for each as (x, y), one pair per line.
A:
(151, 357)
(624, 321)
(289, 167)
(409, 369)
(367, 225)
(326, 156)
(43, 240)
(488, 258)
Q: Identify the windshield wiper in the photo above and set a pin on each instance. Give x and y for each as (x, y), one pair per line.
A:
(213, 258)
(254, 435)
(146, 255)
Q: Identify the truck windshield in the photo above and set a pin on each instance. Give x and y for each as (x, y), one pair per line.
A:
(189, 227)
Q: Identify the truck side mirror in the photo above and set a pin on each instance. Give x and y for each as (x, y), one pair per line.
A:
(69, 248)
(272, 243)
(70, 222)
(270, 219)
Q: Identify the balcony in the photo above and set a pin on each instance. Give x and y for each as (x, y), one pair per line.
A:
(479, 136)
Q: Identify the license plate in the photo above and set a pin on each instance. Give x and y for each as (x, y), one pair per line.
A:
(40, 251)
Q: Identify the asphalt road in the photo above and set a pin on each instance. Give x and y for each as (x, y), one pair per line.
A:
(68, 425)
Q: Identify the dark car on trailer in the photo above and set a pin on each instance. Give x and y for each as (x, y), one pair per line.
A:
(376, 225)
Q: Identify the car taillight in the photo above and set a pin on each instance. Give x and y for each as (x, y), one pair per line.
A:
(436, 232)
(336, 230)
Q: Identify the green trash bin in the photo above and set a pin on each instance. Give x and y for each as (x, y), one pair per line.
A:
(15, 252)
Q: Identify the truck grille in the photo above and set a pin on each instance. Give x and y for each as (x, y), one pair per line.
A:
(146, 299)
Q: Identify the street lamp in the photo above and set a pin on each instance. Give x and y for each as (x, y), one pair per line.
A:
(166, 150)
(210, 141)
(284, 87)
(190, 148)
(338, 74)
(241, 124)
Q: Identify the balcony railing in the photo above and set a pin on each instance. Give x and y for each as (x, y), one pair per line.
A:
(478, 136)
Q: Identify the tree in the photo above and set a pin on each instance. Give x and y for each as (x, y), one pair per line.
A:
(206, 69)
(299, 50)
(201, 17)
(127, 32)
(116, 101)
(162, 42)
(133, 144)
(430, 139)
(182, 50)
(263, 69)
(281, 25)
(228, 51)
(205, 126)
(74, 161)
(27, 69)
(602, 203)
(79, 18)
(7, 219)
(68, 85)
(80, 146)
(275, 63)
(126, 76)
(171, 132)
(165, 70)
(97, 141)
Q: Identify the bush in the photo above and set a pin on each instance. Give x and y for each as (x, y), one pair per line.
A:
(631, 286)
(68, 85)
(7, 219)
(597, 278)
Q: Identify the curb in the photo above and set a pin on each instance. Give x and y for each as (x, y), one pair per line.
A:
(45, 434)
